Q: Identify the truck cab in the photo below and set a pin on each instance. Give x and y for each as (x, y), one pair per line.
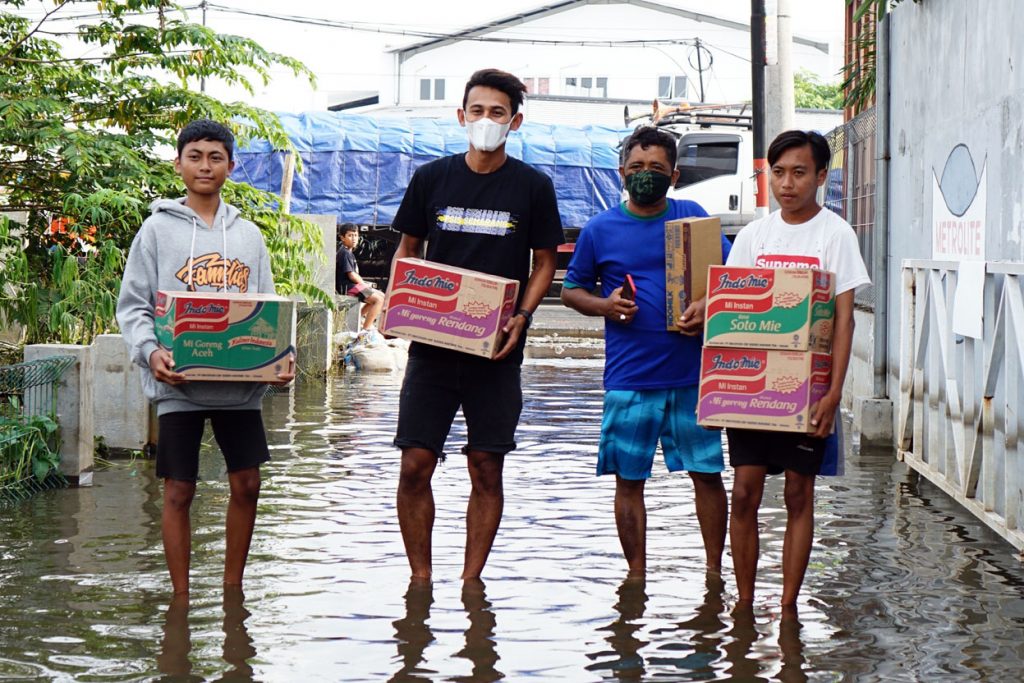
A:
(714, 157)
(716, 170)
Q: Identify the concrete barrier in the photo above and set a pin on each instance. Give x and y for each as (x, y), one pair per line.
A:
(74, 409)
(120, 409)
(314, 346)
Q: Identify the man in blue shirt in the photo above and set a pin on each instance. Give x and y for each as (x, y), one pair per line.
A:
(651, 375)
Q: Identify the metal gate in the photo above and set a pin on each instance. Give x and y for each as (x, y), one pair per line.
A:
(960, 400)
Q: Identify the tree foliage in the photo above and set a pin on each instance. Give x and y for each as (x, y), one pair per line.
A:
(84, 148)
(860, 73)
(810, 93)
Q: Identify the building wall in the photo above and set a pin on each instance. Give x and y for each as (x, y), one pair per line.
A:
(957, 78)
(632, 72)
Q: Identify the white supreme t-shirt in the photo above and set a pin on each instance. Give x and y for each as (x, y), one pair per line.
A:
(826, 241)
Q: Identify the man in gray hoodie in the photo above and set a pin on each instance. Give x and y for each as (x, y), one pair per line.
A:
(198, 243)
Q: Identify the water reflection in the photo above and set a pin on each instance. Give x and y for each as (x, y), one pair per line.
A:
(792, 648)
(480, 647)
(742, 665)
(626, 663)
(175, 658)
(238, 644)
(176, 645)
(695, 643)
(413, 634)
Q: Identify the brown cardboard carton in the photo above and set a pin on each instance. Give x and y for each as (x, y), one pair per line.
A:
(761, 389)
(691, 245)
(768, 308)
(450, 307)
(226, 336)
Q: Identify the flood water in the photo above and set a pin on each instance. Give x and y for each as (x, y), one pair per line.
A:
(903, 586)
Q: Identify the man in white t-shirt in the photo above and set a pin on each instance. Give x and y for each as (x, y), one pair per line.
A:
(801, 234)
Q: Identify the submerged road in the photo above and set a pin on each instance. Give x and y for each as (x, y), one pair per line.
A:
(902, 586)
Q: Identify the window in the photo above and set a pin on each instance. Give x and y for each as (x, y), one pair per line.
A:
(706, 157)
(585, 86)
(431, 89)
(672, 87)
(537, 85)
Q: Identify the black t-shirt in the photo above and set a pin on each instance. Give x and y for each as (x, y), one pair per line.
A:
(344, 263)
(488, 222)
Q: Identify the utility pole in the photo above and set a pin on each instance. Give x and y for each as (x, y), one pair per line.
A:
(700, 71)
(202, 79)
(757, 106)
(779, 98)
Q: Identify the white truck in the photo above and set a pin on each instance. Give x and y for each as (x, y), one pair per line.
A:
(715, 157)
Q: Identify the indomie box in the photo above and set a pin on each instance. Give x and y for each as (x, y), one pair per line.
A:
(785, 308)
(450, 307)
(691, 245)
(761, 389)
(222, 336)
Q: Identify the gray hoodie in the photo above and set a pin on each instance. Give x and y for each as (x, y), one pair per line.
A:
(175, 250)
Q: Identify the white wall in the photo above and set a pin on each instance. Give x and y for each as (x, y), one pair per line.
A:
(632, 72)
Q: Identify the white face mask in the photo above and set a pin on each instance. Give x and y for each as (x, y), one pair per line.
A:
(486, 135)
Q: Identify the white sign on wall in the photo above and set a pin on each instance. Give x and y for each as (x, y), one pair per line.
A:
(959, 203)
(958, 216)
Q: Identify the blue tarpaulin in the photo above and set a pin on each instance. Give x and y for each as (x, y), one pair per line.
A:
(357, 167)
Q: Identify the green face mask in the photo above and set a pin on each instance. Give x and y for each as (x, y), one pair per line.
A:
(647, 187)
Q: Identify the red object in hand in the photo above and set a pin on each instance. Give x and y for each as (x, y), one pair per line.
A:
(628, 288)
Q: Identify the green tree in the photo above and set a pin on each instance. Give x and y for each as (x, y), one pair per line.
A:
(810, 93)
(859, 74)
(83, 148)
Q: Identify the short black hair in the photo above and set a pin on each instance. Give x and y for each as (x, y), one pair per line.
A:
(644, 137)
(346, 228)
(499, 80)
(205, 129)
(798, 138)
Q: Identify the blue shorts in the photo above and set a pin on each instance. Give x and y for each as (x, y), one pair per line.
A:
(634, 422)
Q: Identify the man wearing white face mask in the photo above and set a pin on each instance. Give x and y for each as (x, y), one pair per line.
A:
(488, 212)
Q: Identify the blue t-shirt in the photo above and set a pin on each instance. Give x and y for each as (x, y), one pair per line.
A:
(641, 355)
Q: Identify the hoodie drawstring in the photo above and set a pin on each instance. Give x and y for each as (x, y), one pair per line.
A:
(224, 250)
(191, 255)
(224, 253)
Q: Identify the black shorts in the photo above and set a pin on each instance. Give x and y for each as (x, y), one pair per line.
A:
(363, 292)
(239, 433)
(777, 451)
(434, 388)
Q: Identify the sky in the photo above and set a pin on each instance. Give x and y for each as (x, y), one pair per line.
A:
(354, 60)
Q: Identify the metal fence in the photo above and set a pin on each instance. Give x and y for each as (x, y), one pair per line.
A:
(850, 189)
(960, 423)
(29, 438)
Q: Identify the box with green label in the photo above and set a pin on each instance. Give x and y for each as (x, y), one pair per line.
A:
(770, 308)
(226, 337)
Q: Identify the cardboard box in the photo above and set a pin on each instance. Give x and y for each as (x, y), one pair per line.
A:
(691, 245)
(453, 308)
(785, 308)
(226, 337)
(761, 389)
